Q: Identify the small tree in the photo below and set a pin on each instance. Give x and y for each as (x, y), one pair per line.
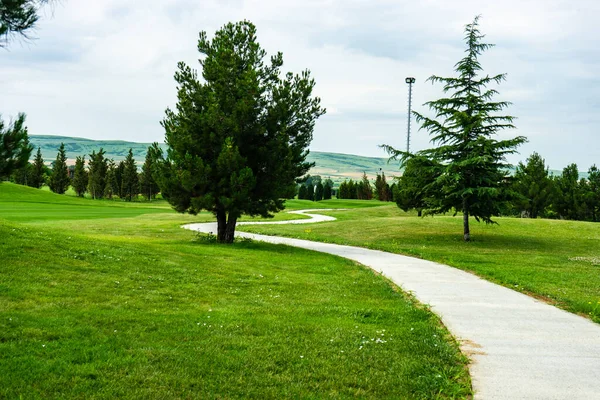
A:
(592, 196)
(415, 187)
(473, 168)
(239, 137)
(80, 177)
(310, 192)
(148, 185)
(119, 171)
(319, 192)
(97, 174)
(111, 187)
(38, 171)
(568, 197)
(533, 184)
(302, 192)
(364, 191)
(327, 189)
(15, 149)
(59, 180)
(130, 185)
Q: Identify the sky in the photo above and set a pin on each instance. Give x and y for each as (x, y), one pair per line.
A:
(103, 69)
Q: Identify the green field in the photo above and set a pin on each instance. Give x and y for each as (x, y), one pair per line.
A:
(557, 261)
(107, 299)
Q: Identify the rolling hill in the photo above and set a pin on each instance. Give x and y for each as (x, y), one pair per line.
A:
(334, 165)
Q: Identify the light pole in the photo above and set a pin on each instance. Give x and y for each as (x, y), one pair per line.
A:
(410, 82)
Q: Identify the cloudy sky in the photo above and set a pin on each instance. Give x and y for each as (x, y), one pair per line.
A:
(103, 69)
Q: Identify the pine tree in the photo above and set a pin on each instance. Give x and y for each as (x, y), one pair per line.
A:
(302, 192)
(119, 176)
(59, 180)
(80, 177)
(97, 174)
(319, 192)
(111, 187)
(14, 146)
(327, 189)
(415, 186)
(364, 189)
(534, 186)
(310, 192)
(130, 186)
(592, 196)
(148, 185)
(37, 177)
(568, 197)
(472, 163)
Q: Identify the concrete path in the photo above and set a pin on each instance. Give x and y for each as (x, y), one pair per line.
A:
(520, 348)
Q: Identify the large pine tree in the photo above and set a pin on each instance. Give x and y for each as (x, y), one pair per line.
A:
(98, 166)
(148, 185)
(15, 149)
(38, 170)
(471, 163)
(59, 180)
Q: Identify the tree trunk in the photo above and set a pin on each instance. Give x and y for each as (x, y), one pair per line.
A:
(221, 226)
(230, 229)
(419, 212)
(467, 233)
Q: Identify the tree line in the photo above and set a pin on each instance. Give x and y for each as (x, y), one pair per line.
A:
(363, 190)
(314, 189)
(103, 178)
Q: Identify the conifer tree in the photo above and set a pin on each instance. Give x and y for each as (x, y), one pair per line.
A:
(111, 187)
(327, 189)
(534, 186)
(319, 192)
(364, 189)
(310, 192)
(302, 192)
(119, 176)
(59, 180)
(15, 149)
(37, 177)
(471, 161)
(148, 185)
(97, 174)
(568, 197)
(592, 196)
(130, 185)
(80, 177)
(239, 137)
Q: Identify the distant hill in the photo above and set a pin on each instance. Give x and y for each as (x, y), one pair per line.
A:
(333, 165)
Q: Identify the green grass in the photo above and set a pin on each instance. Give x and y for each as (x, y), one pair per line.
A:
(107, 304)
(558, 261)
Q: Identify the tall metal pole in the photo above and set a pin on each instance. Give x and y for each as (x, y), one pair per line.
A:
(410, 81)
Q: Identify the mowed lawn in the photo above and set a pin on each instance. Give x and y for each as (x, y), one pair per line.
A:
(557, 261)
(102, 299)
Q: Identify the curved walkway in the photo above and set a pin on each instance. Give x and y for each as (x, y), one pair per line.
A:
(520, 348)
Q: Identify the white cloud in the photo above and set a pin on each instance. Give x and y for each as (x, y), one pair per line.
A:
(103, 69)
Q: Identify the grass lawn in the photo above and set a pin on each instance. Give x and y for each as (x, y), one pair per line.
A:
(103, 299)
(558, 261)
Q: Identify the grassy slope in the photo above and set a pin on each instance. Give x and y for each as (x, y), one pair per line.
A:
(130, 305)
(538, 257)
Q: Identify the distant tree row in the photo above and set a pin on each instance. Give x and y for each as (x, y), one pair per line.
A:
(315, 189)
(531, 192)
(102, 178)
(363, 190)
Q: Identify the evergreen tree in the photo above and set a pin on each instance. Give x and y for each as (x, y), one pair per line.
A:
(319, 192)
(393, 192)
(382, 189)
(80, 177)
(534, 186)
(364, 189)
(352, 190)
(111, 187)
(119, 176)
(59, 180)
(21, 176)
(327, 189)
(148, 185)
(97, 174)
(415, 186)
(14, 146)
(472, 163)
(18, 17)
(310, 192)
(38, 171)
(592, 195)
(130, 185)
(239, 137)
(302, 192)
(568, 196)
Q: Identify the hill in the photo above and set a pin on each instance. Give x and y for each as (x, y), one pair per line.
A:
(334, 165)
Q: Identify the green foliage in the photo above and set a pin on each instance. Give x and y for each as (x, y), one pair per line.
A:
(130, 185)
(302, 193)
(59, 180)
(414, 190)
(568, 199)
(18, 17)
(472, 163)
(98, 165)
(533, 184)
(364, 190)
(14, 146)
(327, 189)
(310, 192)
(238, 139)
(38, 171)
(119, 171)
(111, 187)
(382, 189)
(80, 178)
(319, 192)
(148, 185)
(592, 194)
